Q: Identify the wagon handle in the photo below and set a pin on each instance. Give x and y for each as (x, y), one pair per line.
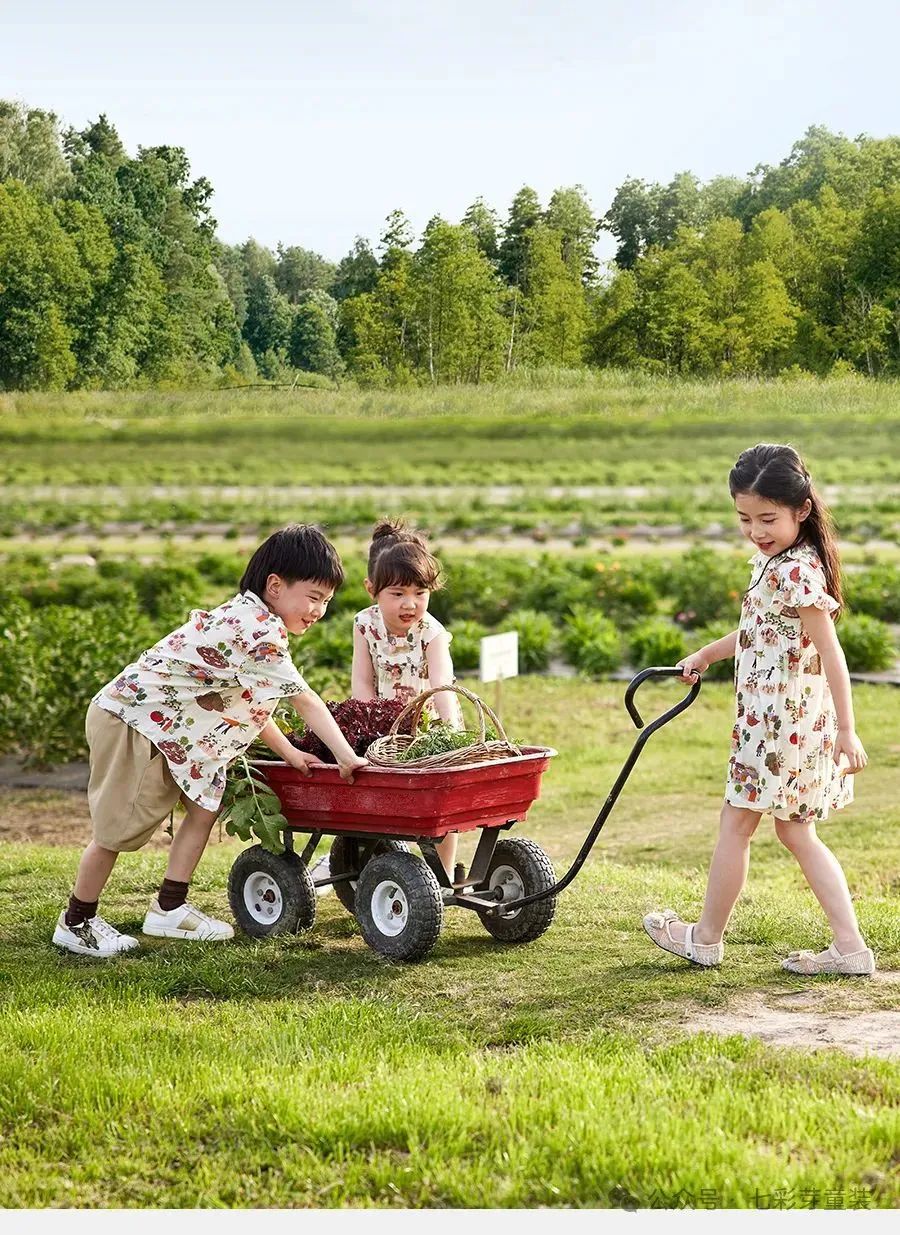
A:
(639, 679)
(414, 710)
(641, 741)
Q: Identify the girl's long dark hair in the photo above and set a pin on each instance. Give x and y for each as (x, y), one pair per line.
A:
(779, 474)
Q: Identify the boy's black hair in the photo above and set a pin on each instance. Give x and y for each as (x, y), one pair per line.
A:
(298, 551)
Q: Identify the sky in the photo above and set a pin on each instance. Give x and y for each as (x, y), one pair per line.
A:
(314, 120)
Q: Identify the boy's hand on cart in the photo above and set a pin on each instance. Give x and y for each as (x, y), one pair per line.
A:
(692, 666)
(300, 760)
(348, 768)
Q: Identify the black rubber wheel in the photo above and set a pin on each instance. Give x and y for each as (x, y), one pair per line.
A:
(399, 906)
(271, 894)
(521, 868)
(338, 862)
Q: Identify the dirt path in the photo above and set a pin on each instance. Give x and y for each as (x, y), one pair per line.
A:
(803, 1019)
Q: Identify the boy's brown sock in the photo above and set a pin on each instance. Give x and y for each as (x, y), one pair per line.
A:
(172, 894)
(79, 912)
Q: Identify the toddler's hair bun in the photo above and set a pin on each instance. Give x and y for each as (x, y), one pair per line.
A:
(395, 529)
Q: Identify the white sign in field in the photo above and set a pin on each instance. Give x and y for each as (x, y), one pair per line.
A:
(500, 657)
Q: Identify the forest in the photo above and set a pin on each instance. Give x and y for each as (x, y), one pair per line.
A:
(112, 275)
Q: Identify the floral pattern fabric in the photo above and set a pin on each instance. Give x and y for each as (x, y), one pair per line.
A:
(203, 693)
(783, 739)
(399, 662)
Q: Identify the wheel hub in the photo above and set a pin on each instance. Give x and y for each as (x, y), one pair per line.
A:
(506, 885)
(262, 897)
(390, 908)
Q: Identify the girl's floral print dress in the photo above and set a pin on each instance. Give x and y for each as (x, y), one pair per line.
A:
(783, 740)
(202, 694)
(399, 662)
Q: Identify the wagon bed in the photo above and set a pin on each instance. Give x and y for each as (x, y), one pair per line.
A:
(410, 803)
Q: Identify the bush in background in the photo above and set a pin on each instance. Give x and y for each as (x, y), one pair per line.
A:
(656, 642)
(591, 643)
(868, 644)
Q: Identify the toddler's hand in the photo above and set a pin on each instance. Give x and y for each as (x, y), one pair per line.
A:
(300, 760)
(848, 745)
(693, 664)
(347, 769)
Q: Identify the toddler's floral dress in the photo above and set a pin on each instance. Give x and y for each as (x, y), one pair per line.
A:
(399, 661)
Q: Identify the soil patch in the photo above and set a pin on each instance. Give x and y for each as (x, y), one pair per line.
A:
(797, 1019)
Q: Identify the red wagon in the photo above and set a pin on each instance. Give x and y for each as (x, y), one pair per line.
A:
(398, 897)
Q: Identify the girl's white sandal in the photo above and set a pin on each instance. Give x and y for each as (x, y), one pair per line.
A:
(856, 964)
(657, 927)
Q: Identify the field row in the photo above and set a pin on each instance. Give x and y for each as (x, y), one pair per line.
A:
(655, 435)
(82, 624)
(862, 514)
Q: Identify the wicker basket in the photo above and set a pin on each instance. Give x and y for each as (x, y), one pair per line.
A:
(385, 752)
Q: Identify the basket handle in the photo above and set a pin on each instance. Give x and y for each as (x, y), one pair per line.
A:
(414, 710)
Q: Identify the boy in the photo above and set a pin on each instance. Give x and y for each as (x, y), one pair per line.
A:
(168, 726)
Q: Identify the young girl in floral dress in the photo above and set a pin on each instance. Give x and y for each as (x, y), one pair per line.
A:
(794, 741)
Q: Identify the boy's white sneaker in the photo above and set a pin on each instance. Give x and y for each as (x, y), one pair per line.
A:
(95, 937)
(185, 922)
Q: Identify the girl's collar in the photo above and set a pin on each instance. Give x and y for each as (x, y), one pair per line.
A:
(407, 638)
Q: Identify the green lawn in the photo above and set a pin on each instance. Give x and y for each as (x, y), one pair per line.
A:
(305, 1071)
(670, 443)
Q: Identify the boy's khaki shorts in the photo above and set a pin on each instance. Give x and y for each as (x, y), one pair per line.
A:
(131, 790)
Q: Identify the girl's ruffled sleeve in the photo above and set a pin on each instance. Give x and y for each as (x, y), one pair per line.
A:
(801, 586)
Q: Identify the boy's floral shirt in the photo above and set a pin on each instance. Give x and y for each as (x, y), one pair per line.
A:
(399, 662)
(783, 740)
(203, 693)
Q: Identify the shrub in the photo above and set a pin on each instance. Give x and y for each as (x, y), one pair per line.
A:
(868, 644)
(224, 570)
(350, 599)
(329, 644)
(622, 592)
(722, 670)
(479, 592)
(656, 642)
(536, 633)
(57, 660)
(557, 587)
(707, 587)
(875, 591)
(79, 586)
(466, 646)
(169, 590)
(591, 643)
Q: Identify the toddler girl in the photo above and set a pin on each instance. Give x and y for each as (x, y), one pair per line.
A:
(399, 649)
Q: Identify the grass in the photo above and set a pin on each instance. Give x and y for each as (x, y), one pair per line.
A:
(304, 1071)
(459, 460)
(605, 432)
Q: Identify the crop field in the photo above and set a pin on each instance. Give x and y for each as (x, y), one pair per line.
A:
(592, 459)
(592, 515)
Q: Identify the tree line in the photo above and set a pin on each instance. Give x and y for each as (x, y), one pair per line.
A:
(111, 274)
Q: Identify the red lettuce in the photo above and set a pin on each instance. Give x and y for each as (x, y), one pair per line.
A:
(361, 721)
